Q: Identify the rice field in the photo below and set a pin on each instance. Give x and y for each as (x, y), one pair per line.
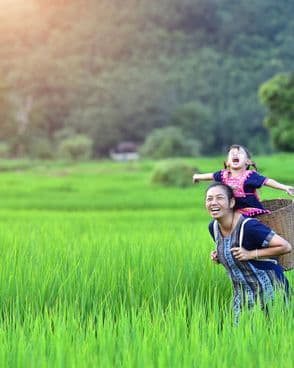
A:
(99, 268)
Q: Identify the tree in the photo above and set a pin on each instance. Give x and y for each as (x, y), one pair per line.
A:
(278, 96)
(8, 127)
(78, 147)
(169, 142)
(196, 121)
(114, 72)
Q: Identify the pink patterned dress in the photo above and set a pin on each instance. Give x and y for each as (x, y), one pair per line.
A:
(245, 190)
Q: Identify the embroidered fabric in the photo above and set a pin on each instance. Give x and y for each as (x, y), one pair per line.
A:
(236, 183)
(251, 284)
(251, 211)
(248, 203)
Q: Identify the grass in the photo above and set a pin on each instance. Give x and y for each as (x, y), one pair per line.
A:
(101, 268)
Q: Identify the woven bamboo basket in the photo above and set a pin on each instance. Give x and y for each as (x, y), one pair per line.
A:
(281, 220)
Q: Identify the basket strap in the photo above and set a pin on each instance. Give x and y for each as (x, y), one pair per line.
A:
(215, 231)
(241, 235)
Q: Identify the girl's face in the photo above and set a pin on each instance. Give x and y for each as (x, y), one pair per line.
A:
(217, 202)
(237, 158)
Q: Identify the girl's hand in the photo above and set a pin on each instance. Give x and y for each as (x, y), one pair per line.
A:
(290, 191)
(242, 254)
(195, 179)
(213, 256)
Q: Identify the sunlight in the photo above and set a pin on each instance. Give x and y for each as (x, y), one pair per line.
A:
(12, 12)
(16, 6)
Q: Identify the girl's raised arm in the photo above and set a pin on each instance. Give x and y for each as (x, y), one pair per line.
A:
(276, 185)
(200, 177)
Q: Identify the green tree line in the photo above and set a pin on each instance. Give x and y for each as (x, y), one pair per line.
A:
(114, 71)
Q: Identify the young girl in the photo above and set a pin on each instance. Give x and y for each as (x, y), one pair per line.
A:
(243, 181)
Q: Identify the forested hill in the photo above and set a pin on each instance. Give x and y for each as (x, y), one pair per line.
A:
(114, 70)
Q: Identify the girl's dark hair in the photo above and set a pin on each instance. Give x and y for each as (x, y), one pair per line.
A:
(248, 154)
(227, 189)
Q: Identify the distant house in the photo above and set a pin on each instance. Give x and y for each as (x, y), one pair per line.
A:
(125, 151)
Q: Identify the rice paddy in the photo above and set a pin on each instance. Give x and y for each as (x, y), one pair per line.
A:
(99, 268)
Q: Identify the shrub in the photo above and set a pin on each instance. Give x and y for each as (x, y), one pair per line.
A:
(168, 142)
(4, 150)
(41, 148)
(78, 147)
(173, 173)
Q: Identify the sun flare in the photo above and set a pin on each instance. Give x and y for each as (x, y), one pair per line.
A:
(16, 6)
(13, 12)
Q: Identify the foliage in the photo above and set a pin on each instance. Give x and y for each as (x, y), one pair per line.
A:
(278, 95)
(115, 73)
(4, 150)
(42, 148)
(195, 119)
(77, 147)
(173, 173)
(168, 142)
(8, 126)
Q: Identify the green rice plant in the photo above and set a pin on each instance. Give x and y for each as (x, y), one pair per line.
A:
(113, 273)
